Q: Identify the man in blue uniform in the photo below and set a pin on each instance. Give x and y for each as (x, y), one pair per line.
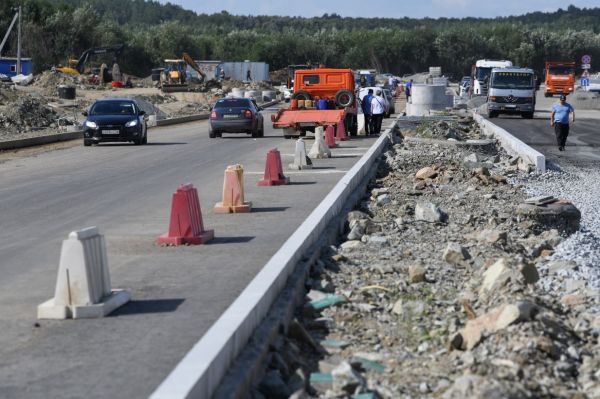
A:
(366, 107)
(560, 120)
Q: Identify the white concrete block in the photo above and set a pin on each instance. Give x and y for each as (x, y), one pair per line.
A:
(83, 288)
(319, 149)
(360, 119)
(301, 161)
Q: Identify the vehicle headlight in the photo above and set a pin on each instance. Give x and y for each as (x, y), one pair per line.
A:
(91, 125)
(131, 123)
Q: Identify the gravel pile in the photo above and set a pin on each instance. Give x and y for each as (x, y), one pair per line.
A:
(579, 183)
(435, 291)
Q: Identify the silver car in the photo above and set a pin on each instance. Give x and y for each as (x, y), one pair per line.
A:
(390, 100)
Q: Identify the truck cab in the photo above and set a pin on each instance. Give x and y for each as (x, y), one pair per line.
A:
(511, 91)
(331, 84)
(481, 74)
(560, 78)
(322, 96)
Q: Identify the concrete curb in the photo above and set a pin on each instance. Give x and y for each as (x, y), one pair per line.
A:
(200, 372)
(33, 141)
(512, 144)
(182, 119)
(54, 138)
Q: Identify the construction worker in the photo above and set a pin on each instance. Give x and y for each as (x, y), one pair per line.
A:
(559, 119)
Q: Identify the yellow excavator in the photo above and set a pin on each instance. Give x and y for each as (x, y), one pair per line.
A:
(76, 67)
(173, 77)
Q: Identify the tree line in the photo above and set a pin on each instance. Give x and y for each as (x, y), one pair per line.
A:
(56, 30)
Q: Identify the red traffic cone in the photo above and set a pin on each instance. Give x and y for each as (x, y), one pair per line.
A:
(233, 192)
(186, 225)
(273, 170)
(340, 131)
(329, 137)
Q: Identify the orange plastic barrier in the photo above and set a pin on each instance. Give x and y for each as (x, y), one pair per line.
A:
(340, 131)
(329, 137)
(233, 192)
(186, 225)
(273, 171)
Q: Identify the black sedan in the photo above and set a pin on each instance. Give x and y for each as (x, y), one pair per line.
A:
(115, 119)
(236, 115)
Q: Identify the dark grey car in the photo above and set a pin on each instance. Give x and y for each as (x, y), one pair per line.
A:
(115, 119)
(236, 115)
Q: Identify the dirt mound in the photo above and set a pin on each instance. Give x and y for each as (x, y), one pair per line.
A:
(30, 112)
(279, 75)
(7, 96)
(158, 98)
(53, 79)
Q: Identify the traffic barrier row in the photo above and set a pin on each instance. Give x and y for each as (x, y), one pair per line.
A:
(83, 288)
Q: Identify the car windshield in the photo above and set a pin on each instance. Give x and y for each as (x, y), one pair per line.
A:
(232, 103)
(113, 108)
(512, 80)
(560, 70)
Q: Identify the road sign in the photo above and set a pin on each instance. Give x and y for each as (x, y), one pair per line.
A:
(586, 59)
(585, 83)
(586, 66)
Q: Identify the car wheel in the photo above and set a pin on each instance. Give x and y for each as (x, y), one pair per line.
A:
(527, 115)
(262, 130)
(287, 136)
(256, 132)
(87, 143)
(212, 134)
(138, 141)
(492, 114)
(145, 139)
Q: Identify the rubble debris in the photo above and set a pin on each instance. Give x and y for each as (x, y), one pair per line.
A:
(460, 312)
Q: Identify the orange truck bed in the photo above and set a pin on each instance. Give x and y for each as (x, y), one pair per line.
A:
(296, 118)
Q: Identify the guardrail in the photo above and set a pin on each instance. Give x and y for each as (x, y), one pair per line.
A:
(200, 372)
(512, 144)
(54, 138)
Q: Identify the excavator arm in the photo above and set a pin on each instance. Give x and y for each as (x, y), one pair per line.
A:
(190, 61)
(85, 56)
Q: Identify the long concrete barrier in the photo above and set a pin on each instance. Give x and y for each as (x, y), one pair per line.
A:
(200, 372)
(78, 134)
(512, 144)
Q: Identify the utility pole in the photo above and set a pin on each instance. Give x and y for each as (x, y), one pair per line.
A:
(19, 44)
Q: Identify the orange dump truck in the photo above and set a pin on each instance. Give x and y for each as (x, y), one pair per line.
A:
(322, 96)
(560, 78)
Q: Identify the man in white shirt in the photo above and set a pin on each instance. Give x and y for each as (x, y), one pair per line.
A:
(377, 110)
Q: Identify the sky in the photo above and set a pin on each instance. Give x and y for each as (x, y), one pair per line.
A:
(383, 8)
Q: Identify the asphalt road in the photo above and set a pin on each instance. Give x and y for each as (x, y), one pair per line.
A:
(178, 292)
(583, 142)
